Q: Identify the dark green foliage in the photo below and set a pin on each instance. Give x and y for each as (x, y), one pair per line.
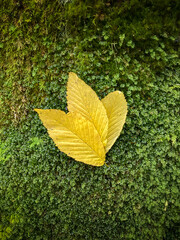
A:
(130, 46)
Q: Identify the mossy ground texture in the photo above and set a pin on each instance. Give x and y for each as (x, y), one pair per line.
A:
(131, 46)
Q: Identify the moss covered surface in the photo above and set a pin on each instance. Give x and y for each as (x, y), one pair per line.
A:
(131, 46)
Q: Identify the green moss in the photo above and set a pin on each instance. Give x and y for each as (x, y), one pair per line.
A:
(129, 46)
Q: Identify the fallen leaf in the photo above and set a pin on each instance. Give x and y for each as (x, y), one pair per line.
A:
(74, 135)
(91, 127)
(116, 108)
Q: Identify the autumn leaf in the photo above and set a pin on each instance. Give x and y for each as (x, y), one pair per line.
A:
(91, 127)
(116, 108)
(74, 135)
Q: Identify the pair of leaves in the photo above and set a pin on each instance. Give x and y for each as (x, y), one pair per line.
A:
(91, 126)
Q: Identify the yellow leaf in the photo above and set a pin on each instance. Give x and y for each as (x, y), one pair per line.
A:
(74, 135)
(116, 108)
(91, 127)
(83, 100)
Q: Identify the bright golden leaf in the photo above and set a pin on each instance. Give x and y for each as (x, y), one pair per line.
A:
(91, 127)
(74, 135)
(82, 99)
(116, 108)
